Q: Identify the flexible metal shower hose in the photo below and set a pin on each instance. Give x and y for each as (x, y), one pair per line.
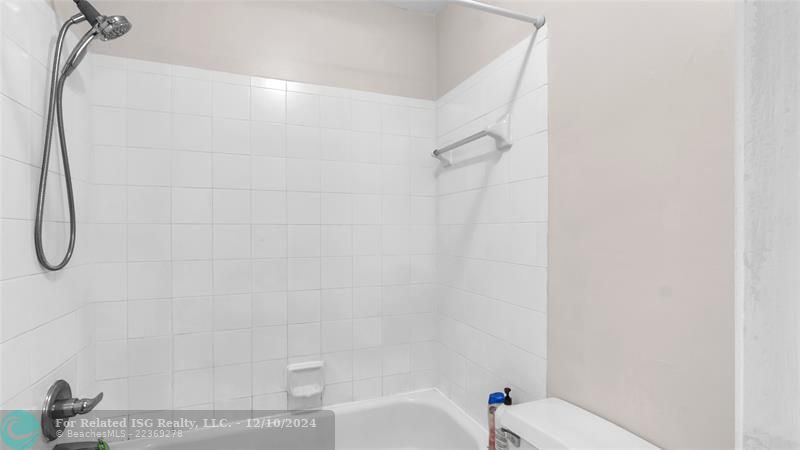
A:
(55, 113)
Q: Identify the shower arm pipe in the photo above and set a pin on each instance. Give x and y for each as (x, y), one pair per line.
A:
(537, 21)
(500, 131)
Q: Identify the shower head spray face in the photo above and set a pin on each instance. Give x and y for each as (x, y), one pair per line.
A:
(112, 27)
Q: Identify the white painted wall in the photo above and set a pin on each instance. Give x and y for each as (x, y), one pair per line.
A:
(251, 223)
(492, 235)
(771, 226)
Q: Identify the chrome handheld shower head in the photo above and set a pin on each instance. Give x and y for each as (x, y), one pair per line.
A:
(107, 28)
(104, 27)
(112, 27)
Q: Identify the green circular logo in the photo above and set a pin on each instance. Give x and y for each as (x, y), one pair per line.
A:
(20, 430)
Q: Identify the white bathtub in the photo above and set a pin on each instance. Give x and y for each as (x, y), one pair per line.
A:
(417, 420)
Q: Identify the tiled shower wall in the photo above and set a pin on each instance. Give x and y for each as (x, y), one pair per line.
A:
(229, 225)
(249, 222)
(492, 235)
(42, 315)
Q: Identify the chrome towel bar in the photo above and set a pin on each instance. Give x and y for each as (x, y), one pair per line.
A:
(500, 131)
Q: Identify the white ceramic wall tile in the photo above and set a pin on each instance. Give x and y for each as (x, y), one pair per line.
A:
(152, 392)
(337, 336)
(303, 142)
(115, 321)
(16, 83)
(268, 173)
(149, 356)
(191, 132)
(192, 315)
(303, 175)
(232, 347)
(194, 387)
(302, 109)
(269, 241)
(191, 169)
(232, 277)
(303, 208)
(109, 87)
(335, 112)
(232, 382)
(232, 312)
(191, 278)
(270, 343)
(269, 308)
(190, 96)
(367, 363)
(269, 207)
(268, 105)
(231, 206)
(269, 377)
(149, 91)
(148, 129)
(304, 241)
(193, 351)
(304, 274)
(366, 116)
(231, 101)
(108, 126)
(231, 136)
(37, 308)
(267, 139)
(148, 242)
(149, 167)
(231, 171)
(148, 204)
(304, 339)
(190, 255)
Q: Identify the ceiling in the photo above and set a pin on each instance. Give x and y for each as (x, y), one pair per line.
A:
(423, 6)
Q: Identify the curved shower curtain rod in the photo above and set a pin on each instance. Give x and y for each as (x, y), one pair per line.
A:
(500, 131)
(537, 21)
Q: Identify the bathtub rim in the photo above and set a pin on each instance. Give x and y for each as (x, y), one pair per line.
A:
(430, 397)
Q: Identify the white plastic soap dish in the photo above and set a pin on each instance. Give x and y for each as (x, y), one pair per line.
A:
(303, 366)
(306, 379)
(306, 391)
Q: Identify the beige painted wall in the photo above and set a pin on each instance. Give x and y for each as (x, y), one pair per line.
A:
(468, 40)
(359, 45)
(641, 301)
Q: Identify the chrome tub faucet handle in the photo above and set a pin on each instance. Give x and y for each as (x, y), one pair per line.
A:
(64, 409)
(59, 405)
